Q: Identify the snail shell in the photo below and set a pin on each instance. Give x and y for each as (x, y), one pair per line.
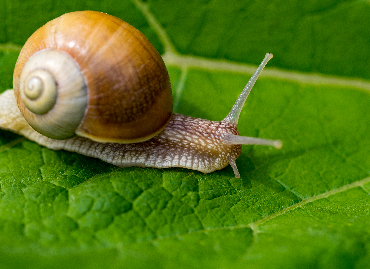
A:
(94, 75)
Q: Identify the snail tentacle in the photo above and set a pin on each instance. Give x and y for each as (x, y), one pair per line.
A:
(234, 114)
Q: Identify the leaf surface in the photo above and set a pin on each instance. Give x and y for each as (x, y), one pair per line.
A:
(306, 205)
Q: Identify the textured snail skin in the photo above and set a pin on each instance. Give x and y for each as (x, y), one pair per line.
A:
(186, 142)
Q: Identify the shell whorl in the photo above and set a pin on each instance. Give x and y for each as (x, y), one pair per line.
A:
(39, 91)
(54, 94)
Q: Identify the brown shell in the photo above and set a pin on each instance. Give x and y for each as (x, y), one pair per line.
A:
(130, 96)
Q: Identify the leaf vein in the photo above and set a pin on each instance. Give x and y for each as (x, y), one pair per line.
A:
(10, 47)
(327, 194)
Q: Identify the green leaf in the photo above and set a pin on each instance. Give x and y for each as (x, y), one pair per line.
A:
(306, 205)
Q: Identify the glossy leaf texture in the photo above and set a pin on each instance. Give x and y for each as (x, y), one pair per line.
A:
(306, 205)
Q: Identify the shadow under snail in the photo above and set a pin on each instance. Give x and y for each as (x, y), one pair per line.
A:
(112, 99)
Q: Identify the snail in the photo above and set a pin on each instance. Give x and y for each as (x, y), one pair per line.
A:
(90, 83)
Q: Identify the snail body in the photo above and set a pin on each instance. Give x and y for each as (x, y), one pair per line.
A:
(101, 90)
